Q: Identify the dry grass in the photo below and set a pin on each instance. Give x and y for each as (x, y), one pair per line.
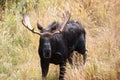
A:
(19, 59)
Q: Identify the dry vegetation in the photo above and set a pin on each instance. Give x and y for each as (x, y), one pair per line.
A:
(19, 59)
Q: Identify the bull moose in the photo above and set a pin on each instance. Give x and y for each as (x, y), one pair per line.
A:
(57, 42)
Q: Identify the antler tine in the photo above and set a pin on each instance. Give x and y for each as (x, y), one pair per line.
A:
(67, 18)
(26, 23)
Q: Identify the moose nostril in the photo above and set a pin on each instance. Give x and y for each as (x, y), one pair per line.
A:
(47, 53)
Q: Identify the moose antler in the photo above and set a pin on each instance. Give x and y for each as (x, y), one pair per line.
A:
(67, 18)
(26, 23)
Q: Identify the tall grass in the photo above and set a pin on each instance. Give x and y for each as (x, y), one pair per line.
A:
(19, 59)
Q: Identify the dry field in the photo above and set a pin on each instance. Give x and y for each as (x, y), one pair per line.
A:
(19, 59)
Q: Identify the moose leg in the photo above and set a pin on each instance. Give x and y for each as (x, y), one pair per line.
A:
(62, 71)
(84, 54)
(44, 67)
(80, 48)
(70, 59)
(84, 57)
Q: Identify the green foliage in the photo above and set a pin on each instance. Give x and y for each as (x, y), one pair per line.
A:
(2, 4)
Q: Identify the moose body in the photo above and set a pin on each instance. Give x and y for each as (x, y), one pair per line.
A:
(57, 42)
(75, 37)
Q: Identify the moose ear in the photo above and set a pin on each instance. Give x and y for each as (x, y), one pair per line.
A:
(54, 26)
(39, 26)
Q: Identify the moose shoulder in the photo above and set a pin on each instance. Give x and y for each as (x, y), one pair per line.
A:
(57, 42)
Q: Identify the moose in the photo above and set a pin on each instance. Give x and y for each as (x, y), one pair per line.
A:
(57, 42)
